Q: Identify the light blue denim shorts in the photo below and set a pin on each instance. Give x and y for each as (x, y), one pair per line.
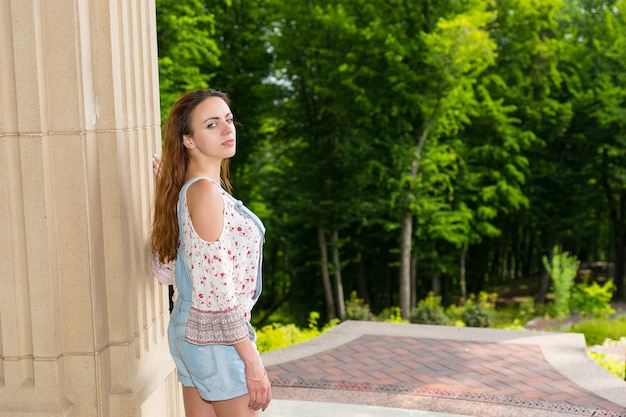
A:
(217, 371)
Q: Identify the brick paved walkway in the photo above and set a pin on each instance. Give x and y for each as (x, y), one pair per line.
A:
(400, 362)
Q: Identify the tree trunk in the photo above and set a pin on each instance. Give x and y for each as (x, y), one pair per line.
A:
(328, 292)
(388, 290)
(620, 248)
(407, 228)
(494, 267)
(267, 313)
(530, 248)
(361, 282)
(341, 301)
(414, 278)
(616, 214)
(436, 278)
(405, 265)
(544, 284)
(462, 273)
(445, 288)
(509, 264)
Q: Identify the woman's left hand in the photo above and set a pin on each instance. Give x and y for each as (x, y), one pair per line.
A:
(260, 391)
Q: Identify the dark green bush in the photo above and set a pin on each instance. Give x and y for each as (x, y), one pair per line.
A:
(429, 315)
(356, 309)
(429, 311)
(475, 316)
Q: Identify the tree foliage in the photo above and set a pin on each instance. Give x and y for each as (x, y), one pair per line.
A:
(396, 148)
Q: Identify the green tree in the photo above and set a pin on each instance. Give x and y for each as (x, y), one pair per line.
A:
(598, 89)
(322, 150)
(185, 38)
(458, 50)
(404, 77)
(521, 111)
(242, 27)
(396, 147)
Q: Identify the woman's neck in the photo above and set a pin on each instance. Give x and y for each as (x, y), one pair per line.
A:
(203, 170)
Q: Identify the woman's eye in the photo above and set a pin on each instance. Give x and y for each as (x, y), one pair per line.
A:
(212, 125)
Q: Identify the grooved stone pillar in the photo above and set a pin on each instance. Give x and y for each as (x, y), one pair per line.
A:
(82, 321)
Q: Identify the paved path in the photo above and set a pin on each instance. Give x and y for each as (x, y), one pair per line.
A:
(395, 368)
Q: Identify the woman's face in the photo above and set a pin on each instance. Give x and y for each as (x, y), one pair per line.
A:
(214, 134)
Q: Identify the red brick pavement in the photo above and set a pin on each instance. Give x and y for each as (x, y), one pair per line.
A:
(497, 373)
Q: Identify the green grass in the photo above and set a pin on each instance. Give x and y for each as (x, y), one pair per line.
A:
(597, 331)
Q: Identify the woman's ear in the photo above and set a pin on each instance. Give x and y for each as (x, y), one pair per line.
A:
(188, 142)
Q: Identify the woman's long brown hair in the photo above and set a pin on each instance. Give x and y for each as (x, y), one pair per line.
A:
(172, 171)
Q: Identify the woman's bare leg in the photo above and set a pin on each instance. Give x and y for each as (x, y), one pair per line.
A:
(236, 407)
(195, 406)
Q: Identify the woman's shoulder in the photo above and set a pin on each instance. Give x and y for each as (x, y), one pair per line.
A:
(203, 185)
(206, 209)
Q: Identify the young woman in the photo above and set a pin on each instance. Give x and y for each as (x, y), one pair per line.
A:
(210, 247)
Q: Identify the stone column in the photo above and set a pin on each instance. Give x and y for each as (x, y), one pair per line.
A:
(82, 321)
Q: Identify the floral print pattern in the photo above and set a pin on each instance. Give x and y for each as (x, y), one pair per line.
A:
(224, 276)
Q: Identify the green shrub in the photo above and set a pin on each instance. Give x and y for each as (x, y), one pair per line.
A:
(562, 268)
(593, 300)
(429, 311)
(596, 331)
(514, 325)
(610, 363)
(277, 335)
(455, 314)
(476, 311)
(429, 315)
(392, 315)
(512, 315)
(475, 316)
(356, 309)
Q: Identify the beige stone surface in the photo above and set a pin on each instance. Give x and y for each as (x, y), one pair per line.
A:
(82, 321)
